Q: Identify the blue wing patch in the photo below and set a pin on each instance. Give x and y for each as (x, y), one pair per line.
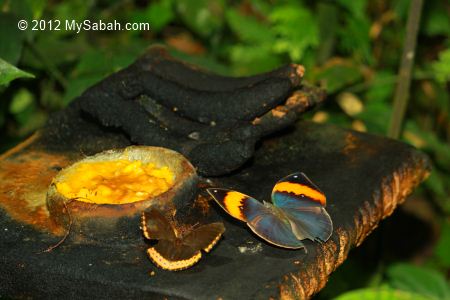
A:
(309, 220)
(273, 228)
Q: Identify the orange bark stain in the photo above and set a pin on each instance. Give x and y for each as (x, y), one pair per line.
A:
(24, 180)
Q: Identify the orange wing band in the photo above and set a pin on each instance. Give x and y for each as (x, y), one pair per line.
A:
(170, 265)
(300, 189)
(234, 203)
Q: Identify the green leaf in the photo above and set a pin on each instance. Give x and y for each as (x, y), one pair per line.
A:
(440, 150)
(248, 28)
(436, 183)
(356, 8)
(205, 17)
(23, 10)
(382, 293)
(93, 67)
(158, 15)
(248, 60)
(435, 19)
(50, 97)
(37, 7)
(261, 7)
(336, 76)
(354, 38)
(381, 86)
(296, 30)
(94, 61)
(26, 108)
(30, 120)
(20, 9)
(339, 119)
(327, 16)
(441, 67)
(442, 248)
(57, 50)
(9, 72)
(375, 114)
(442, 99)
(11, 38)
(401, 8)
(418, 280)
(73, 10)
(21, 101)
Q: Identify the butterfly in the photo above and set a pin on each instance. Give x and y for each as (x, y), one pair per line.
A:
(296, 213)
(177, 250)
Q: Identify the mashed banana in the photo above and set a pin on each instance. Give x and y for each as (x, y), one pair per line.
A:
(115, 182)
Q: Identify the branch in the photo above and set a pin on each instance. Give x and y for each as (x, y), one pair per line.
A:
(404, 74)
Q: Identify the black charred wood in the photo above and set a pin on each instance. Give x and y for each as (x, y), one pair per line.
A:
(213, 120)
(158, 61)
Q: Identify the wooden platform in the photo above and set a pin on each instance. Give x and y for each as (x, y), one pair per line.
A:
(364, 177)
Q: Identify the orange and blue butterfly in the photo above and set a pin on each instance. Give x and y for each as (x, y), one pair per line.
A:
(297, 212)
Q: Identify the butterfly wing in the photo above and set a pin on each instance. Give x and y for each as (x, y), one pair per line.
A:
(299, 186)
(274, 229)
(156, 227)
(303, 203)
(169, 253)
(205, 236)
(308, 220)
(262, 220)
(238, 205)
(173, 257)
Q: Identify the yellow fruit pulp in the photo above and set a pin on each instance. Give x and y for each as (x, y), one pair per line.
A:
(115, 182)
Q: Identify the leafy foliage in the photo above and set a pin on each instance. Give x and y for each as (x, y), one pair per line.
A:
(296, 30)
(441, 250)
(383, 293)
(441, 67)
(352, 48)
(9, 72)
(158, 14)
(418, 280)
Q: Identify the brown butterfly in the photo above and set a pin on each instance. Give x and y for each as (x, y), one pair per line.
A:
(176, 250)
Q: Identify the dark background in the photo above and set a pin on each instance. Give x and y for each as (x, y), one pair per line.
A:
(351, 48)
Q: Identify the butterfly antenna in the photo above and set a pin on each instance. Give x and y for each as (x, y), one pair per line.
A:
(311, 182)
(66, 234)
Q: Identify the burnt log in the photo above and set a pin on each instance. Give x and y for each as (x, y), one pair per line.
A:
(215, 121)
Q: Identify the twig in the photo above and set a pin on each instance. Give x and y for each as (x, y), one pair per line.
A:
(404, 74)
(52, 247)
